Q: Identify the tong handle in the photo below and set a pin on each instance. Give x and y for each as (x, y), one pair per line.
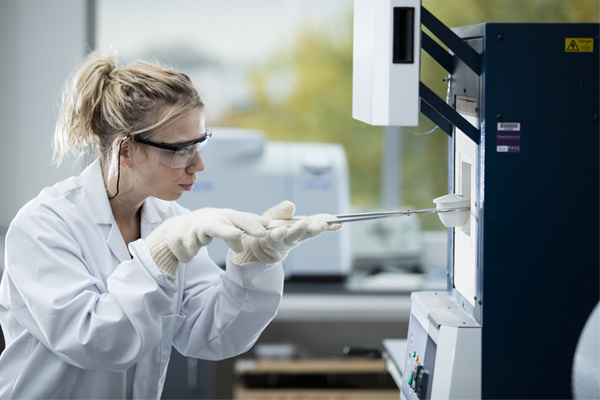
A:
(376, 215)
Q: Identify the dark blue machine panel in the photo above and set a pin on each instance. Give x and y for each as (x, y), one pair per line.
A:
(539, 238)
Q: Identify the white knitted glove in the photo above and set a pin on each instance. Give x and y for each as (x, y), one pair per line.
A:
(180, 238)
(275, 246)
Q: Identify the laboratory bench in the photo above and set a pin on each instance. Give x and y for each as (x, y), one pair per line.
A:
(317, 324)
(354, 378)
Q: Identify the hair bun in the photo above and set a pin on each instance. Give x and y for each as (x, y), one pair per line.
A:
(107, 64)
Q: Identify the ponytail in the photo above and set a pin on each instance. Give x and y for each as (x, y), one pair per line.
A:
(81, 102)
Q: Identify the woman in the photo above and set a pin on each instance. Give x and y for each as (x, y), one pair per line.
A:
(105, 272)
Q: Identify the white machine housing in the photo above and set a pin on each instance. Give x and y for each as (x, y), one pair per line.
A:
(443, 342)
(387, 62)
(246, 172)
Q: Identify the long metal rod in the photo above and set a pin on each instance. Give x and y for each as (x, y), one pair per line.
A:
(378, 215)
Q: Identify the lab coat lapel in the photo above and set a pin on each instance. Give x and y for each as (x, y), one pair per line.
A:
(150, 218)
(101, 211)
(116, 244)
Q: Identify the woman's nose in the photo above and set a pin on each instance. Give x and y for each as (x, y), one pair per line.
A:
(197, 164)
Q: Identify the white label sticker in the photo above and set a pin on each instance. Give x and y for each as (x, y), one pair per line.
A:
(509, 126)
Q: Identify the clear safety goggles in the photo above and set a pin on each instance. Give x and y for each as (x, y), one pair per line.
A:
(178, 155)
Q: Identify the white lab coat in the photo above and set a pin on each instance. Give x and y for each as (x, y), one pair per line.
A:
(84, 319)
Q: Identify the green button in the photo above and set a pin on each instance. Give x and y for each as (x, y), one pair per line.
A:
(414, 354)
(410, 379)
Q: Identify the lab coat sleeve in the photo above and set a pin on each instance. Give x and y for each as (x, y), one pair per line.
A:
(55, 296)
(225, 312)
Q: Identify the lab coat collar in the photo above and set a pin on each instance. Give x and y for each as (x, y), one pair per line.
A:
(95, 191)
(93, 183)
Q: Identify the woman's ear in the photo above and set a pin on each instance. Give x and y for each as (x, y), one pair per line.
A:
(124, 149)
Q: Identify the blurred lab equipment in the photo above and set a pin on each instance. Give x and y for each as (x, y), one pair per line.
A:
(246, 172)
(522, 114)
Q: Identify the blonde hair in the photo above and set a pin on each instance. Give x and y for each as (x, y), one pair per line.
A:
(103, 102)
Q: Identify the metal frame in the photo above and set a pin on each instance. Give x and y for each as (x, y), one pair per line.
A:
(434, 108)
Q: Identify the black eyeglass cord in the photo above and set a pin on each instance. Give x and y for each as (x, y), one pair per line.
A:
(118, 169)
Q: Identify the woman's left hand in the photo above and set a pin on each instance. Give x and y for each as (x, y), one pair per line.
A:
(275, 246)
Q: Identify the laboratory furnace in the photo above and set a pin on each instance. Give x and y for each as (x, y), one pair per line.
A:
(522, 115)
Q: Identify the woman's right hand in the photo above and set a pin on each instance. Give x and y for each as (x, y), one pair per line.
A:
(179, 239)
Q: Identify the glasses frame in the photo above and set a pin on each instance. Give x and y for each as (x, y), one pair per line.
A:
(171, 146)
(166, 146)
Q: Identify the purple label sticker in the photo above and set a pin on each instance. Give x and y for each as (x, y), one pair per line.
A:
(508, 137)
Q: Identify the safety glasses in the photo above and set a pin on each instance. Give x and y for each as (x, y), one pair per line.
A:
(176, 155)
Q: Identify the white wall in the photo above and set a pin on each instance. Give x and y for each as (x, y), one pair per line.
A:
(41, 42)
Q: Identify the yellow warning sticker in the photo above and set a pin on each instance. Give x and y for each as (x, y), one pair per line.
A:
(579, 45)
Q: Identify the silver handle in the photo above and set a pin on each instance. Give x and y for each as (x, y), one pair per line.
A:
(378, 215)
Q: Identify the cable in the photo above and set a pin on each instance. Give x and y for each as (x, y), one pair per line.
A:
(419, 133)
(118, 169)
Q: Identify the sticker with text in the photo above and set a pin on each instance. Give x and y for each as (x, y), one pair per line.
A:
(508, 137)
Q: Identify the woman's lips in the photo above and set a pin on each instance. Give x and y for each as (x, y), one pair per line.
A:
(188, 187)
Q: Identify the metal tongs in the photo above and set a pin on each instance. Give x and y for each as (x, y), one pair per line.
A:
(378, 215)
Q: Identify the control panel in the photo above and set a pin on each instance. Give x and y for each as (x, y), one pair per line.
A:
(419, 363)
(443, 350)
